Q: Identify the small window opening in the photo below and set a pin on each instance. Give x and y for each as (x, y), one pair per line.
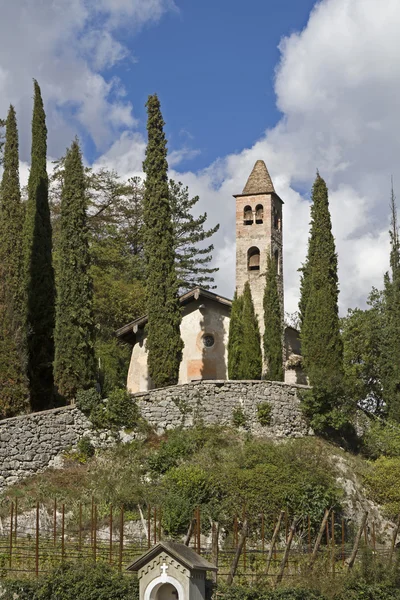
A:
(248, 215)
(277, 220)
(259, 213)
(253, 259)
(276, 256)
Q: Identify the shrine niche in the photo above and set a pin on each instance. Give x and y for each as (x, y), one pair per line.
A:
(171, 571)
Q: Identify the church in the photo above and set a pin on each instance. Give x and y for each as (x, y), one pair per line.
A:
(206, 315)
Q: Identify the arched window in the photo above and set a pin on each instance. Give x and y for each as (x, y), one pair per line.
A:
(253, 259)
(259, 213)
(277, 219)
(248, 215)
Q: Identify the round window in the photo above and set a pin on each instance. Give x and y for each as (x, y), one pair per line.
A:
(208, 340)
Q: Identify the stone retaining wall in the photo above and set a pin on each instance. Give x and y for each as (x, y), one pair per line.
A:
(214, 402)
(30, 443)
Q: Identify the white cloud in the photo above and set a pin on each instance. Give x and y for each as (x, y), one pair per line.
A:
(66, 45)
(337, 85)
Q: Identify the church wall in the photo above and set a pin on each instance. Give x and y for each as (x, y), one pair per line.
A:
(201, 319)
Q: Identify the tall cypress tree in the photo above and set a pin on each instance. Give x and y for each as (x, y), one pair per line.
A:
(14, 395)
(251, 358)
(38, 266)
(74, 365)
(235, 338)
(320, 334)
(390, 356)
(164, 343)
(273, 332)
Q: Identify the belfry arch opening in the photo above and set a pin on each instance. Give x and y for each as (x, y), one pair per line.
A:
(248, 215)
(253, 259)
(259, 214)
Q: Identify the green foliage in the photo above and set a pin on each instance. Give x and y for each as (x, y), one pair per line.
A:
(241, 592)
(121, 409)
(75, 582)
(39, 274)
(251, 359)
(14, 395)
(164, 343)
(85, 447)
(390, 359)
(320, 336)
(273, 321)
(382, 438)
(383, 482)
(87, 400)
(187, 486)
(192, 262)
(362, 333)
(238, 417)
(235, 339)
(264, 414)
(74, 365)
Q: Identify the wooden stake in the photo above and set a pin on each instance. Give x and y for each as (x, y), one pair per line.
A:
(286, 553)
(353, 555)
(11, 531)
(111, 532)
(55, 523)
(148, 526)
(333, 542)
(309, 534)
(95, 534)
(121, 538)
(235, 532)
(91, 522)
(16, 520)
(319, 538)
(155, 525)
(214, 547)
(273, 541)
(198, 530)
(373, 536)
(62, 532)
(238, 552)
(189, 532)
(80, 526)
(37, 541)
(159, 523)
(343, 547)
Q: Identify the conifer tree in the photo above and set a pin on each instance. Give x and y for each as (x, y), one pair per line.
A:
(273, 332)
(39, 274)
(320, 334)
(235, 338)
(390, 356)
(74, 365)
(251, 358)
(14, 395)
(164, 343)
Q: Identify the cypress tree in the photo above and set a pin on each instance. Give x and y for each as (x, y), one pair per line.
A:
(235, 338)
(38, 266)
(251, 358)
(390, 357)
(164, 343)
(14, 395)
(74, 365)
(273, 332)
(320, 334)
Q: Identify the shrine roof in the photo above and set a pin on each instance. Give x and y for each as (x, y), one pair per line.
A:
(128, 332)
(183, 554)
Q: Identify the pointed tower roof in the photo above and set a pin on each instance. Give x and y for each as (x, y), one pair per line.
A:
(260, 181)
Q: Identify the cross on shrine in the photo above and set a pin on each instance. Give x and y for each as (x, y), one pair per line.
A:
(164, 568)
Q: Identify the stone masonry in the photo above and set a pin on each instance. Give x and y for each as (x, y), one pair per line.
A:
(31, 443)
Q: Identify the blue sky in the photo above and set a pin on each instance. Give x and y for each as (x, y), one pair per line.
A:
(300, 86)
(212, 64)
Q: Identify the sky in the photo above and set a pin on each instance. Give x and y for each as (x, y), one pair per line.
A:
(302, 85)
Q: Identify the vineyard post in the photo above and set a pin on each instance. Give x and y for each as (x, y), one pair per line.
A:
(11, 530)
(319, 538)
(37, 541)
(273, 541)
(111, 532)
(148, 526)
(286, 553)
(62, 532)
(95, 534)
(80, 527)
(353, 555)
(55, 523)
(121, 538)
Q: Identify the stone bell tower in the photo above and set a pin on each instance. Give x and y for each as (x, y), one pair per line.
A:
(258, 232)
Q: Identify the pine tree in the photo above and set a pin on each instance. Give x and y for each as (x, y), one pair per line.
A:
(192, 261)
(251, 358)
(390, 359)
(320, 334)
(14, 395)
(39, 274)
(273, 332)
(164, 343)
(235, 338)
(74, 365)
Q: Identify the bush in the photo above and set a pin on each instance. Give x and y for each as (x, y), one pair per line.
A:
(121, 409)
(75, 582)
(383, 483)
(238, 417)
(87, 400)
(85, 447)
(264, 414)
(382, 439)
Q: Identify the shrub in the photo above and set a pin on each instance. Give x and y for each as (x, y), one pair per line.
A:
(264, 414)
(75, 582)
(238, 417)
(87, 400)
(121, 409)
(382, 439)
(383, 483)
(85, 447)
